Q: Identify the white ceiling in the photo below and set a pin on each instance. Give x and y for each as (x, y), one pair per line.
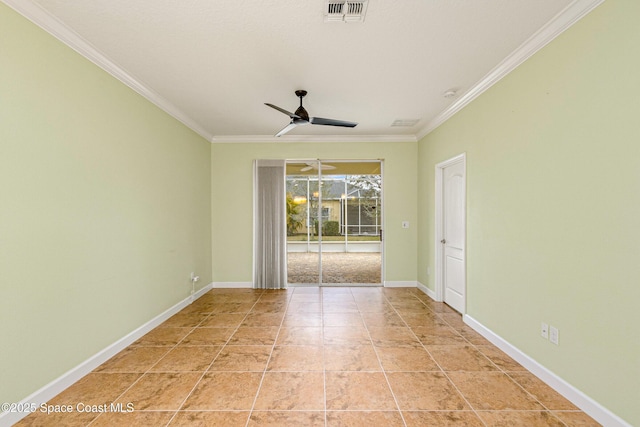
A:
(214, 63)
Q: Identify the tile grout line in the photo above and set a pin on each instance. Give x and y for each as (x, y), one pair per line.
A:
(404, 306)
(264, 372)
(551, 412)
(324, 347)
(436, 362)
(506, 373)
(158, 361)
(324, 358)
(503, 371)
(384, 371)
(445, 372)
(214, 359)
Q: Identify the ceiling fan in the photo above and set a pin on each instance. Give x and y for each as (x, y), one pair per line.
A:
(315, 166)
(301, 117)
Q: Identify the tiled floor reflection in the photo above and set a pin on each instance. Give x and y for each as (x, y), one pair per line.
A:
(314, 357)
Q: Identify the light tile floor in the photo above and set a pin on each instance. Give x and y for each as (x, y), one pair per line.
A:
(314, 357)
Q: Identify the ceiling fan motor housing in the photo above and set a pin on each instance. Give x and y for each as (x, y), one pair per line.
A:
(301, 111)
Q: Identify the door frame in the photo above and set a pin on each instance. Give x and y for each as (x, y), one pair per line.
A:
(439, 224)
(382, 216)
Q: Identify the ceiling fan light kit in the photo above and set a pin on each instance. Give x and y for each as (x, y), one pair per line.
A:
(301, 117)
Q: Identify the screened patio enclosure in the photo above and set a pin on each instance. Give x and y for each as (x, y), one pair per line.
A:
(334, 222)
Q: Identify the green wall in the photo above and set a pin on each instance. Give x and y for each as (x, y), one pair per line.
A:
(104, 209)
(232, 201)
(107, 204)
(553, 184)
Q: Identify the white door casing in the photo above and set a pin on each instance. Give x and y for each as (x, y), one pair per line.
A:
(451, 232)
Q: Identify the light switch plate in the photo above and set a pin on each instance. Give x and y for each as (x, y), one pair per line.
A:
(554, 335)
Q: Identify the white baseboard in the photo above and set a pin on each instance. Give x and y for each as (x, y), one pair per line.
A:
(578, 398)
(431, 294)
(387, 284)
(231, 285)
(400, 284)
(70, 377)
(195, 296)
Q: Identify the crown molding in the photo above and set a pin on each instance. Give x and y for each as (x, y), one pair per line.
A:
(43, 19)
(235, 139)
(561, 22)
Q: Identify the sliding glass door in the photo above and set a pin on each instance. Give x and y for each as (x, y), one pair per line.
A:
(334, 222)
(303, 203)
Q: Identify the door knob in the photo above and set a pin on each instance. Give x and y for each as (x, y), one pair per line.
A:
(443, 241)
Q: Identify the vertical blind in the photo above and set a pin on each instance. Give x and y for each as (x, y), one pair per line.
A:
(270, 225)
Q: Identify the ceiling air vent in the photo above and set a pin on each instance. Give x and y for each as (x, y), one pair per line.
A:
(405, 123)
(335, 8)
(345, 11)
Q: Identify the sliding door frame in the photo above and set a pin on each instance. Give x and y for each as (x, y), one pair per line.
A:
(319, 175)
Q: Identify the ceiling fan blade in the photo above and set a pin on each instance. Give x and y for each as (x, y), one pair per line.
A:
(282, 110)
(331, 122)
(286, 129)
(301, 117)
(315, 166)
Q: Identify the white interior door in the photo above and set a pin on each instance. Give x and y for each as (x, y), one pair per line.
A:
(454, 234)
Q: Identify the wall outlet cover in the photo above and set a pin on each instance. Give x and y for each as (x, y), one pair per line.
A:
(544, 331)
(554, 335)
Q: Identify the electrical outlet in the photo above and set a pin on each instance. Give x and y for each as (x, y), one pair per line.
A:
(554, 335)
(544, 331)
